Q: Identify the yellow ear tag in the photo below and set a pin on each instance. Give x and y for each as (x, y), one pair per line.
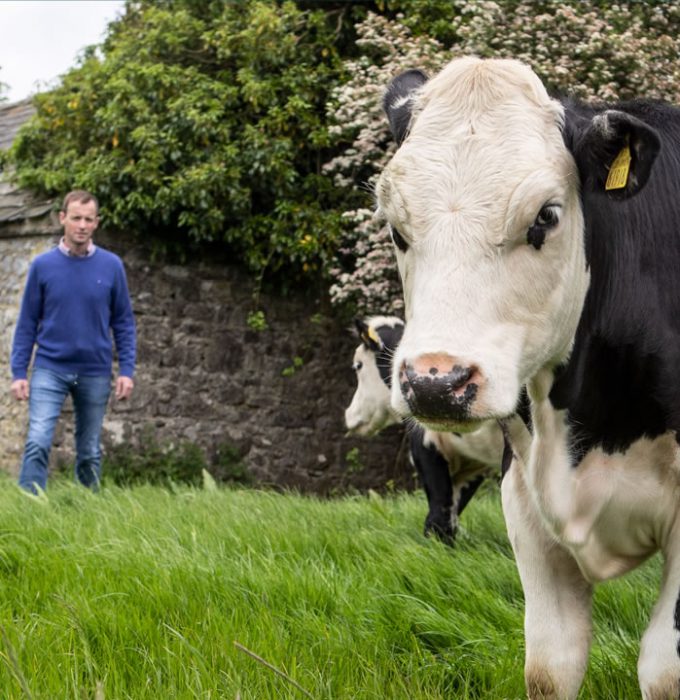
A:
(618, 173)
(373, 335)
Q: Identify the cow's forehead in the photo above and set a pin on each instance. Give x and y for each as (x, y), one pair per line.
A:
(475, 86)
(473, 141)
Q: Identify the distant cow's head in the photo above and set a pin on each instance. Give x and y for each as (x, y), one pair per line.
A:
(483, 202)
(370, 410)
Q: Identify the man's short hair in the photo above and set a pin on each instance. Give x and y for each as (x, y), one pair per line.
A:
(82, 196)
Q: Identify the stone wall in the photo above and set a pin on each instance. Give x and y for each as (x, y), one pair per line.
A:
(15, 256)
(204, 376)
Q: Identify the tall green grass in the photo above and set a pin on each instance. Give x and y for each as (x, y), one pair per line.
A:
(158, 594)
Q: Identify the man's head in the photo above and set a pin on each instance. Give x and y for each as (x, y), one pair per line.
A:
(79, 216)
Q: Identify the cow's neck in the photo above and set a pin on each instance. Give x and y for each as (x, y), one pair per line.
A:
(609, 391)
(547, 462)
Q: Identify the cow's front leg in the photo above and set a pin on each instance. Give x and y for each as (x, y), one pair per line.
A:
(557, 618)
(433, 470)
(659, 662)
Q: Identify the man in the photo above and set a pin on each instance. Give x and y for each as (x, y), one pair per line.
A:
(76, 296)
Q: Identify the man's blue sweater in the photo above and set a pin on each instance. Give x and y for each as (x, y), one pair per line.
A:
(70, 307)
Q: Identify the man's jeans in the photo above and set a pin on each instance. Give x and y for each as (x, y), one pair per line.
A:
(48, 389)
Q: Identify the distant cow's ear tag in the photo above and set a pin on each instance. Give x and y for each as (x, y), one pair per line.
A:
(618, 173)
(370, 338)
(373, 335)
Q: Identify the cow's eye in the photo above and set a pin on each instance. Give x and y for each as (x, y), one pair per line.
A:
(357, 365)
(398, 240)
(547, 218)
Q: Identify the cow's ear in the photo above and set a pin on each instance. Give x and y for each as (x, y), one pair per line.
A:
(615, 153)
(397, 102)
(367, 335)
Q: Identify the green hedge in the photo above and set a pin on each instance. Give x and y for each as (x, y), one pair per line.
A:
(201, 123)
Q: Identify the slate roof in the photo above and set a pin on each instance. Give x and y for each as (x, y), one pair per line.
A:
(18, 205)
(12, 116)
(21, 211)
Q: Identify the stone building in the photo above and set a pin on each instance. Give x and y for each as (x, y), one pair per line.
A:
(274, 396)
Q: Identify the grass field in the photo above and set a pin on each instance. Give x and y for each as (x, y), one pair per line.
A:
(158, 594)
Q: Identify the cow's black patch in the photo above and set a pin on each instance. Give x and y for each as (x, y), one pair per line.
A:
(390, 337)
(506, 460)
(397, 102)
(398, 240)
(523, 409)
(508, 454)
(621, 381)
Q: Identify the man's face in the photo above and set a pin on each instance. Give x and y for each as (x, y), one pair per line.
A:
(79, 221)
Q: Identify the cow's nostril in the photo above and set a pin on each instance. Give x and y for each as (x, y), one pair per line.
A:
(460, 376)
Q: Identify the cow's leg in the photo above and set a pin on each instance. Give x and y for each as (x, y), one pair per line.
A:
(433, 470)
(465, 491)
(659, 662)
(557, 618)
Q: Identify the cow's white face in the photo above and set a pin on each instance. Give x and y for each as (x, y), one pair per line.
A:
(483, 202)
(370, 410)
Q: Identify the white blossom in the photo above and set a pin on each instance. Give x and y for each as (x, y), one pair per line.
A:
(610, 53)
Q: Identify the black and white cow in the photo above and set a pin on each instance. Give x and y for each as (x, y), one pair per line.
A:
(450, 467)
(538, 243)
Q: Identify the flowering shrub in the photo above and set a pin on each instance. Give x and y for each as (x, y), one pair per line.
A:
(612, 52)
(617, 51)
(364, 274)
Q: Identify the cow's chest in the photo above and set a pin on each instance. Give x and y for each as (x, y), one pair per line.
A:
(484, 445)
(611, 511)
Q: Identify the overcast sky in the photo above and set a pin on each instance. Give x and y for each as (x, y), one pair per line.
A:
(40, 39)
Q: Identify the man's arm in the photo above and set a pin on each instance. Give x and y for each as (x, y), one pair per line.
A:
(124, 335)
(25, 334)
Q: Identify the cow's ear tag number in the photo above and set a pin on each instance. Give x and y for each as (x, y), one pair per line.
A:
(618, 173)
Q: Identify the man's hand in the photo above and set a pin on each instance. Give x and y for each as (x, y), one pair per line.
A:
(20, 389)
(124, 387)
